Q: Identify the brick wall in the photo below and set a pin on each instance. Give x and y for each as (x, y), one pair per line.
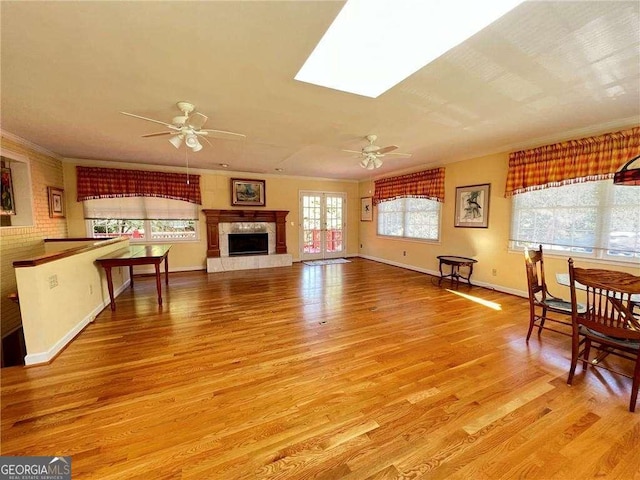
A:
(19, 243)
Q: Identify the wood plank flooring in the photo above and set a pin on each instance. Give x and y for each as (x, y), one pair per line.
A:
(350, 371)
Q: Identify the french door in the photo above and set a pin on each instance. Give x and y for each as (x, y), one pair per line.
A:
(322, 225)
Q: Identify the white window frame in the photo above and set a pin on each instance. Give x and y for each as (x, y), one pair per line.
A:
(405, 215)
(599, 252)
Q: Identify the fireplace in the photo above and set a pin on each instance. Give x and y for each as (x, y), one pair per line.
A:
(248, 244)
(262, 235)
(215, 217)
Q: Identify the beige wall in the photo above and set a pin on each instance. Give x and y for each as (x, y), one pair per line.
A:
(18, 243)
(281, 194)
(59, 298)
(489, 246)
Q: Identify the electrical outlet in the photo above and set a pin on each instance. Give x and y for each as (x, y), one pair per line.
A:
(404, 253)
(90, 289)
(53, 281)
(494, 272)
(360, 245)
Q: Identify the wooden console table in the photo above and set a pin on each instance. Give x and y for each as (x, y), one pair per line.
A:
(455, 262)
(137, 255)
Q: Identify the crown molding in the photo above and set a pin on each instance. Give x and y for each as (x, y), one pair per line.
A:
(576, 134)
(29, 145)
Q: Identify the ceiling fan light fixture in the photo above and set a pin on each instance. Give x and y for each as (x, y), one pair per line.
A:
(192, 142)
(176, 140)
(377, 163)
(185, 128)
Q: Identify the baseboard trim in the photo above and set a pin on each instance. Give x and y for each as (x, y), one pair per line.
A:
(436, 273)
(47, 356)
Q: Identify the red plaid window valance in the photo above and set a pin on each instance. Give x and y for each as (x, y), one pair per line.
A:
(587, 159)
(425, 184)
(96, 183)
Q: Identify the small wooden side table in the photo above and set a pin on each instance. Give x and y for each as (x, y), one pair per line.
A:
(456, 262)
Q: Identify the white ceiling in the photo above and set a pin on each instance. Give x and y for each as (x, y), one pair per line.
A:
(545, 72)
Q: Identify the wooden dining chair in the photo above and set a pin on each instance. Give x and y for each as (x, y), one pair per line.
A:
(608, 324)
(543, 306)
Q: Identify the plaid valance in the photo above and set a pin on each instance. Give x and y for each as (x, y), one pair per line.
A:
(587, 159)
(96, 183)
(425, 184)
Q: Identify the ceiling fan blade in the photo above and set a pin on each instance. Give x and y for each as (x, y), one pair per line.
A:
(168, 125)
(158, 134)
(207, 131)
(208, 141)
(353, 151)
(399, 154)
(197, 120)
(388, 149)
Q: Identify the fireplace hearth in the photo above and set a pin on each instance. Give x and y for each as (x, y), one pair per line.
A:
(248, 244)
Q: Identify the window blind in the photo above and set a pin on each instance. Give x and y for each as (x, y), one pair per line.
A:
(140, 208)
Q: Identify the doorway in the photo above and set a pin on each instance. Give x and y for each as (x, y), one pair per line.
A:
(322, 225)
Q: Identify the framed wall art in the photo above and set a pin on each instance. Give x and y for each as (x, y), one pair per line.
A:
(472, 206)
(56, 202)
(247, 192)
(366, 209)
(8, 200)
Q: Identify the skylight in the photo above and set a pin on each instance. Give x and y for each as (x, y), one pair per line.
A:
(373, 45)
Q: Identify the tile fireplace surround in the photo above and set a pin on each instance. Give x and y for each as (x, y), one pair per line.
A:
(222, 222)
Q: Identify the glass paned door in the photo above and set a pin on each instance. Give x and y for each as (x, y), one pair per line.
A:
(323, 225)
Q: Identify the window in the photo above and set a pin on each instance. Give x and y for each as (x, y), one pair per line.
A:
(409, 218)
(142, 219)
(595, 219)
(159, 230)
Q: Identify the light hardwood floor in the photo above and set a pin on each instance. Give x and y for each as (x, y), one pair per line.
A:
(351, 371)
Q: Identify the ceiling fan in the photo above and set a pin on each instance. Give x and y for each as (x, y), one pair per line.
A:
(372, 154)
(185, 128)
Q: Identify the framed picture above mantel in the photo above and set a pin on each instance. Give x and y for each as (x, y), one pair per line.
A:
(472, 206)
(246, 192)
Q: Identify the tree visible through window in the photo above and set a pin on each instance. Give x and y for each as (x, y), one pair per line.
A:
(597, 219)
(139, 230)
(142, 218)
(144, 229)
(409, 218)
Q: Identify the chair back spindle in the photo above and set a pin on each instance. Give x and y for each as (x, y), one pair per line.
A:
(543, 306)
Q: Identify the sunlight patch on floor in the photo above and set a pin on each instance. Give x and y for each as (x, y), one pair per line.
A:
(486, 303)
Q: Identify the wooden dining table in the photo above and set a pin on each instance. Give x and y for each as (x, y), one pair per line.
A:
(137, 255)
(563, 279)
